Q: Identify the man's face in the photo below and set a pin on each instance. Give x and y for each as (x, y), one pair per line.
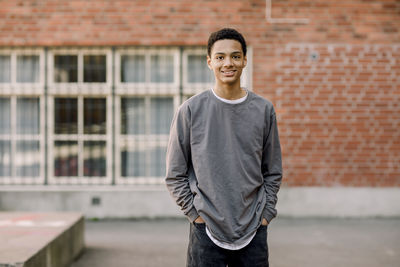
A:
(227, 61)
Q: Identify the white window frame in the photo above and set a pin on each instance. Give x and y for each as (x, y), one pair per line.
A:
(80, 87)
(14, 87)
(14, 90)
(142, 141)
(13, 137)
(146, 87)
(79, 90)
(80, 137)
(193, 88)
(146, 90)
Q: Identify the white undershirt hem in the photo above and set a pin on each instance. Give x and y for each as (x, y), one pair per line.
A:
(229, 245)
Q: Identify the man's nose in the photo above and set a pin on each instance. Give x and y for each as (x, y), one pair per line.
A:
(228, 61)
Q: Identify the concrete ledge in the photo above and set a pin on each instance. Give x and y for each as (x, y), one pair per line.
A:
(339, 202)
(155, 201)
(40, 239)
(93, 201)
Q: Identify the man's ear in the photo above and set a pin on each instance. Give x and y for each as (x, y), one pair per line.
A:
(245, 61)
(209, 62)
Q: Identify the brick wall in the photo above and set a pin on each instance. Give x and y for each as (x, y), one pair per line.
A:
(339, 112)
(334, 81)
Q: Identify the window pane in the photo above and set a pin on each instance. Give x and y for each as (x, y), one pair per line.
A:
(133, 162)
(5, 116)
(5, 158)
(27, 158)
(65, 116)
(28, 116)
(5, 69)
(157, 161)
(65, 158)
(162, 68)
(197, 70)
(27, 69)
(94, 115)
(94, 69)
(133, 116)
(161, 113)
(94, 158)
(65, 69)
(133, 69)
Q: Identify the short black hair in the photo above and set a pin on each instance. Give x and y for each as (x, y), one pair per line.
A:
(226, 33)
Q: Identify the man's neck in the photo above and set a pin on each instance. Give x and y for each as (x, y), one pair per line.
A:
(229, 92)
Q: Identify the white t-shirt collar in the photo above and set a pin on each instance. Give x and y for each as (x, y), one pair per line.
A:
(235, 101)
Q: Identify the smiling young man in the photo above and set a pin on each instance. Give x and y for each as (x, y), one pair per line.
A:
(224, 163)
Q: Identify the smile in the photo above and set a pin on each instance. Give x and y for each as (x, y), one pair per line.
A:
(229, 72)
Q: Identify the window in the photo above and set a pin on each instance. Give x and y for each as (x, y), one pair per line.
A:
(28, 118)
(21, 121)
(197, 69)
(147, 96)
(162, 68)
(147, 67)
(27, 153)
(27, 69)
(20, 139)
(133, 69)
(80, 137)
(145, 125)
(5, 142)
(104, 118)
(65, 68)
(147, 71)
(5, 158)
(70, 67)
(134, 111)
(94, 161)
(197, 77)
(86, 71)
(66, 116)
(5, 68)
(21, 72)
(80, 147)
(94, 68)
(65, 158)
(5, 116)
(27, 158)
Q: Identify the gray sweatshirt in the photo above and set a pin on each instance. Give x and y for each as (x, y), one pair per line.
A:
(224, 164)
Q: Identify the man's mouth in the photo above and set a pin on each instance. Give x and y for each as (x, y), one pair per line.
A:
(228, 72)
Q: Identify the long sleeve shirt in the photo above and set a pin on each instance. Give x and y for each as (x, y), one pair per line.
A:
(224, 164)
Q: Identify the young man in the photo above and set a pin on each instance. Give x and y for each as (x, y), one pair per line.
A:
(224, 163)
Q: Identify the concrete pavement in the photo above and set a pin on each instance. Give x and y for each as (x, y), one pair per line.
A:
(40, 239)
(293, 242)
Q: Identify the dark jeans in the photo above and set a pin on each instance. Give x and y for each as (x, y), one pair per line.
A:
(202, 252)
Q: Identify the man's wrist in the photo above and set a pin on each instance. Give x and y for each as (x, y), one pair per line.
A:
(199, 220)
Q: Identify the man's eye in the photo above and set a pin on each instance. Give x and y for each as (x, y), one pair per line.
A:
(236, 57)
(221, 57)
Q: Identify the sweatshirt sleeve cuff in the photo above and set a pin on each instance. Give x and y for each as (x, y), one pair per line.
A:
(268, 215)
(192, 214)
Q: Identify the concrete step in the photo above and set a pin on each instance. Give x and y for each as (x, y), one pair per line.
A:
(40, 239)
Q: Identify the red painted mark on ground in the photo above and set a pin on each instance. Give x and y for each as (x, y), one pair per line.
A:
(26, 217)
